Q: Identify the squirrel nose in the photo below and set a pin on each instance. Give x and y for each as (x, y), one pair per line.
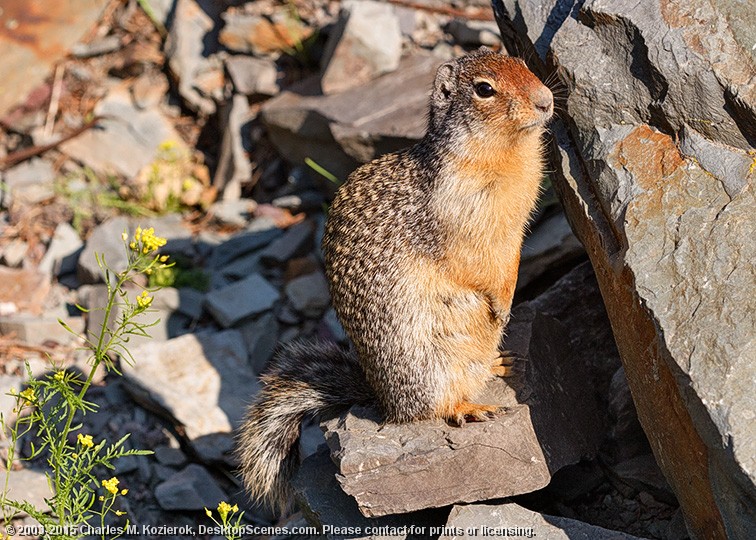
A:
(542, 99)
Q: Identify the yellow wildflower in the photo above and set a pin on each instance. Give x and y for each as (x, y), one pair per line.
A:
(223, 509)
(119, 513)
(85, 440)
(163, 258)
(150, 241)
(138, 234)
(133, 246)
(143, 300)
(124, 236)
(167, 145)
(124, 491)
(208, 513)
(75, 455)
(111, 485)
(28, 395)
(59, 375)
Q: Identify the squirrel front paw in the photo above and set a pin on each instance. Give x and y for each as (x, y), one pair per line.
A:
(508, 364)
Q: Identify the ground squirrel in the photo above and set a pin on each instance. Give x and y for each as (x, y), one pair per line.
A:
(421, 251)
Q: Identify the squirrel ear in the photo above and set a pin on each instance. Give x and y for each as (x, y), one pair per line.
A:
(445, 85)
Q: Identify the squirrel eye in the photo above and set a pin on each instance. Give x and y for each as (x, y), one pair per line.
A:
(484, 90)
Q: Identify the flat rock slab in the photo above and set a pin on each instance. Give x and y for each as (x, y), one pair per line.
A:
(245, 298)
(337, 515)
(340, 131)
(201, 381)
(513, 521)
(552, 419)
(125, 140)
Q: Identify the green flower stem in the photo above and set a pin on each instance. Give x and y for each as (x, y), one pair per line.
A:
(99, 353)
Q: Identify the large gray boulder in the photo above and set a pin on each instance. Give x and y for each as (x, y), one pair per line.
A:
(343, 130)
(654, 166)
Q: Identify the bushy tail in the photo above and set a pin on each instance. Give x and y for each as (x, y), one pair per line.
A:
(305, 379)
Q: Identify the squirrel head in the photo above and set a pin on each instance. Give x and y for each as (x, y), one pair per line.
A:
(487, 95)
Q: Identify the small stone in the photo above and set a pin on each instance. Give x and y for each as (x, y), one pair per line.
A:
(191, 489)
(173, 457)
(365, 43)
(242, 267)
(261, 337)
(14, 253)
(217, 448)
(245, 298)
(241, 245)
(149, 90)
(162, 472)
(301, 202)
(30, 182)
(233, 212)
(288, 315)
(234, 167)
(255, 34)
(63, 252)
(105, 241)
(309, 294)
(474, 33)
(310, 440)
(294, 242)
(253, 76)
(188, 49)
(331, 320)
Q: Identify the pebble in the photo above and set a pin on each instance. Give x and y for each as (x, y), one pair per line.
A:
(30, 182)
(172, 457)
(14, 253)
(63, 252)
(191, 489)
(294, 242)
(253, 76)
(309, 294)
(261, 338)
(245, 298)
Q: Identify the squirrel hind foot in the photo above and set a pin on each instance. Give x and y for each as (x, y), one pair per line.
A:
(508, 364)
(465, 410)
